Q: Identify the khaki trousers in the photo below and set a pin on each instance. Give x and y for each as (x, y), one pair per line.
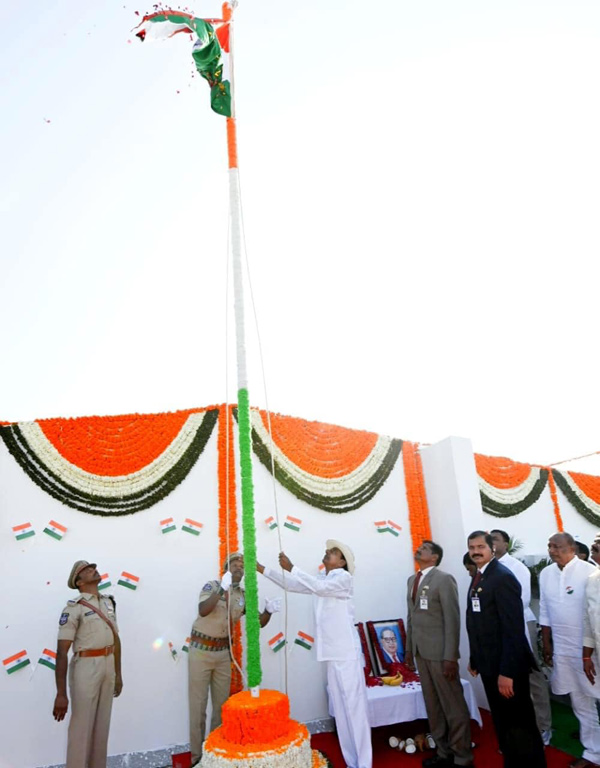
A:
(92, 687)
(207, 670)
(538, 686)
(447, 711)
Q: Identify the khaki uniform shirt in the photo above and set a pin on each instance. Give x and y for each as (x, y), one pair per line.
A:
(84, 627)
(215, 624)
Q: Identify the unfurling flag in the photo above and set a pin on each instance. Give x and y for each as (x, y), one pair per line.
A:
(277, 642)
(394, 528)
(23, 531)
(271, 522)
(293, 523)
(16, 662)
(56, 530)
(186, 645)
(168, 525)
(128, 580)
(191, 526)
(174, 655)
(105, 582)
(306, 641)
(206, 51)
(382, 526)
(48, 658)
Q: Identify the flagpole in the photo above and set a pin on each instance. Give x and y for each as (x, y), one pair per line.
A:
(244, 424)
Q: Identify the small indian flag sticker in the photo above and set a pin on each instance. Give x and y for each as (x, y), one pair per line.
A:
(306, 641)
(105, 581)
(128, 580)
(48, 658)
(293, 523)
(23, 531)
(168, 525)
(192, 526)
(56, 530)
(186, 645)
(276, 643)
(394, 528)
(16, 662)
(382, 526)
(271, 522)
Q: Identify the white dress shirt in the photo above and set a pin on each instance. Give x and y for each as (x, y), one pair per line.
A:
(336, 638)
(521, 571)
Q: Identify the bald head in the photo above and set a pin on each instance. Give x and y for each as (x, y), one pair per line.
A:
(561, 549)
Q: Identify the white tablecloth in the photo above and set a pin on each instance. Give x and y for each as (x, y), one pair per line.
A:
(393, 704)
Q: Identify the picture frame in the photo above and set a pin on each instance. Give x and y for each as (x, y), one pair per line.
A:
(368, 666)
(391, 645)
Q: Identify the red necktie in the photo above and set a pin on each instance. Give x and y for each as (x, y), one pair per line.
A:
(416, 586)
(476, 579)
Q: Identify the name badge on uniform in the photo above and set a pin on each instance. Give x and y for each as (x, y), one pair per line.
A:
(423, 603)
(476, 605)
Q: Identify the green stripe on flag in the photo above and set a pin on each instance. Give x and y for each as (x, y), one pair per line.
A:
(382, 530)
(303, 644)
(395, 533)
(187, 529)
(53, 534)
(47, 663)
(18, 666)
(169, 529)
(127, 584)
(25, 535)
(279, 646)
(105, 586)
(291, 526)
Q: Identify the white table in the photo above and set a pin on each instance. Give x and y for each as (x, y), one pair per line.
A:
(390, 704)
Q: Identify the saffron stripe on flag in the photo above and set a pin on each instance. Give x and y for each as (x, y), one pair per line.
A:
(306, 641)
(192, 526)
(16, 662)
(23, 531)
(277, 642)
(293, 523)
(168, 525)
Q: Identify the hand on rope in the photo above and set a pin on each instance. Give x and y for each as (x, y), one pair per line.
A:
(273, 605)
(226, 581)
(285, 562)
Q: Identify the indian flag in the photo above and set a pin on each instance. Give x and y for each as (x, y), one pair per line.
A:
(271, 522)
(192, 526)
(306, 641)
(382, 526)
(56, 530)
(321, 567)
(168, 525)
(174, 655)
(186, 646)
(394, 528)
(23, 531)
(16, 662)
(293, 523)
(128, 580)
(105, 582)
(48, 658)
(277, 642)
(165, 24)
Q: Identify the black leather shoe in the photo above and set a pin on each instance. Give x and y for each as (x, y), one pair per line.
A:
(438, 762)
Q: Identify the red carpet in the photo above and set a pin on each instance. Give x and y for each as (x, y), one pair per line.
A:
(486, 752)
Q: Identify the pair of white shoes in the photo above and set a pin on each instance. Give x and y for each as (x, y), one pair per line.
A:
(409, 745)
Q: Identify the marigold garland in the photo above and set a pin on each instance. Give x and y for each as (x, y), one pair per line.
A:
(554, 497)
(414, 483)
(500, 471)
(228, 522)
(582, 491)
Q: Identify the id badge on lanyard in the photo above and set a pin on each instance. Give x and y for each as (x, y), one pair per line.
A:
(476, 605)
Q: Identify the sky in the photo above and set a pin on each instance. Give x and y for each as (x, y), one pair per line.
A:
(420, 200)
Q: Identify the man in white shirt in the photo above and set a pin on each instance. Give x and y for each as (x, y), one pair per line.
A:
(538, 685)
(337, 643)
(562, 608)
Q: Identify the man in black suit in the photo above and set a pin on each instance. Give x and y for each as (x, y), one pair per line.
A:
(500, 653)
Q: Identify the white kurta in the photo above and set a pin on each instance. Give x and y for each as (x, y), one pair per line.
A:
(337, 643)
(523, 575)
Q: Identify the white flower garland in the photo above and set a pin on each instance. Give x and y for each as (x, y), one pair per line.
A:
(593, 505)
(297, 755)
(510, 495)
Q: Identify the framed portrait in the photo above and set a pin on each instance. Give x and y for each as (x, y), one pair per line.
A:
(367, 660)
(388, 640)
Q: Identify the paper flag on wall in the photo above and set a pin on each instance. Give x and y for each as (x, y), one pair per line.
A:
(271, 522)
(306, 641)
(394, 528)
(293, 523)
(23, 531)
(174, 654)
(186, 645)
(382, 526)
(277, 642)
(48, 658)
(56, 530)
(105, 582)
(192, 526)
(128, 580)
(16, 662)
(168, 525)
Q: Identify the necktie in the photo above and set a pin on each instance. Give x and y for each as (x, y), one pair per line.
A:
(476, 579)
(416, 586)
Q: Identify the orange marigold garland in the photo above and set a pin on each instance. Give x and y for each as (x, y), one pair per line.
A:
(418, 511)
(228, 525)
(554, 496)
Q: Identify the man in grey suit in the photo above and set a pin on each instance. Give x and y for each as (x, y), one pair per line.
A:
(432, 638)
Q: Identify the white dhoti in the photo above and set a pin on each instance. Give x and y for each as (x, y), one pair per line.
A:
(568, 677)
(346, 684)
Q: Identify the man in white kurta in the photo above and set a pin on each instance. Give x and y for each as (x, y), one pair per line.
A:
(538, 685)
(337, 643)
(562, 607)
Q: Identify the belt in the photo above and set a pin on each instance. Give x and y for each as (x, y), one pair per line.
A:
(97, 651)
(206, 643)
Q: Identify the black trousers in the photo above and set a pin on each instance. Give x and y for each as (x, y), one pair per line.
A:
(515, 724)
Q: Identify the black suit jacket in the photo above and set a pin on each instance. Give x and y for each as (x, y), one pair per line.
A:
(497, 639)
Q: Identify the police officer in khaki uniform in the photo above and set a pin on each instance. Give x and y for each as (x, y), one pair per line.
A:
(209, 655)
(89, 623)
